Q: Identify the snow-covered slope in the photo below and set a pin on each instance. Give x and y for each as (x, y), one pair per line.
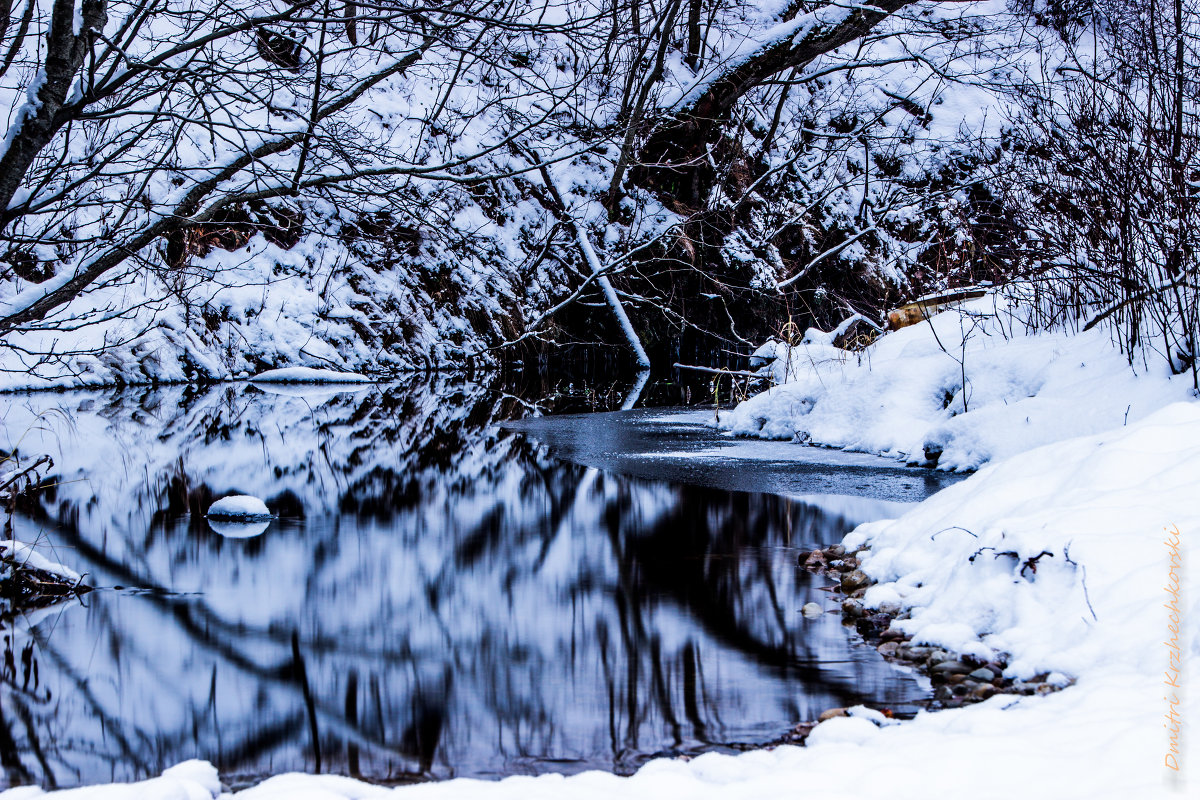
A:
(446, 261)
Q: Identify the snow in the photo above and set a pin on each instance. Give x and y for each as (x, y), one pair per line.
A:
(190, 780)
(794, 31)
(239, 506)
(1086, 465)
(25, 555)
(345, 299)
(971, 382)
(308, 375)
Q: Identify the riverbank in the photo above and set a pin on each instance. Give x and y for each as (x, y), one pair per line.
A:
(968, 387)
(1067, 564)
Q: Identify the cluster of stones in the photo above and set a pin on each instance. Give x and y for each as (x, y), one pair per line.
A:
(957, 679)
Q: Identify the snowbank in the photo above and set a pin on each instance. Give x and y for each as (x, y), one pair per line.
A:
(1058, 556)
(1098, 516)
(191, 780)
(24, 555)
(966, 387)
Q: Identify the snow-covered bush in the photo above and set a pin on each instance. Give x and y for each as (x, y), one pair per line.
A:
(1105, 150)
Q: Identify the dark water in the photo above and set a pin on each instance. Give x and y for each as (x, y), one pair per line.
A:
(440, 597)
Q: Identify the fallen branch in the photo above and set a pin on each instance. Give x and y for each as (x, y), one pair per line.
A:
(593, 261)
(734, 372)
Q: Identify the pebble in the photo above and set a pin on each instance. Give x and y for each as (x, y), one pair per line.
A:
(914, 652)
(963, 679)
(811, 610)
(983, 692)
(950, 668)
(853, 581)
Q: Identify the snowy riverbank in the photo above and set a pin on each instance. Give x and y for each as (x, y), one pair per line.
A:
(969, 386)
(1107, 607)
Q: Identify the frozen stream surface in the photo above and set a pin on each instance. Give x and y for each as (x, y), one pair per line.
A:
(439, 595)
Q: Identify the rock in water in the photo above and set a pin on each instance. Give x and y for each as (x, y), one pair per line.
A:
(853, 581)
(811, 610)
(239, 507)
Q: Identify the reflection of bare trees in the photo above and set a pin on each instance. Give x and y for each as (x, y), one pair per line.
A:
(442, 599)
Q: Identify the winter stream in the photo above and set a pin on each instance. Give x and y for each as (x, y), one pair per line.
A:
(439, 595)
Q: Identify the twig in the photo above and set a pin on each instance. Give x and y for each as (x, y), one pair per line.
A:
(1083, 579)
(951, 528)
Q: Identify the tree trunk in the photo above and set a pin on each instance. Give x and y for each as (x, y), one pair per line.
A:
(38, 121)
(694, 44)
(674, 158)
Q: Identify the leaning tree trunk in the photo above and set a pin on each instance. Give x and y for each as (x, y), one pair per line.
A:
(674, 158)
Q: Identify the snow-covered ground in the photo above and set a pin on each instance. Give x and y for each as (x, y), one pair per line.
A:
(1070, 558)
(971, 385)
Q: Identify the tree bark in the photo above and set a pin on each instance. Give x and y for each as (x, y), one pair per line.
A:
(39, 119)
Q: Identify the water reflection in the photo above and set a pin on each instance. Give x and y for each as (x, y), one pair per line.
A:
(438, 597)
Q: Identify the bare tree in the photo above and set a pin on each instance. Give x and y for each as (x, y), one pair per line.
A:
(188, 116)
(153, 134)
(1104, 176)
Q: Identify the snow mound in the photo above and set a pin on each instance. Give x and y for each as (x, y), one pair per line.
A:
(308, 375)
(1056, 557)
(239, 507)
